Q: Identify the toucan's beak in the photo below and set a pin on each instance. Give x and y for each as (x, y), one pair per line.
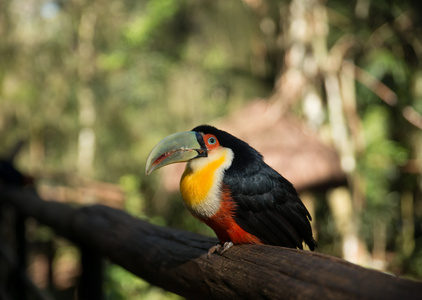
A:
(178, 147)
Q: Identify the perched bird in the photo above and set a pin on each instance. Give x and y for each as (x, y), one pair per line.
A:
(228, 186)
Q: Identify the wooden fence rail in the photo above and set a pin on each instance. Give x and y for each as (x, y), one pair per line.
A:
(176, 260)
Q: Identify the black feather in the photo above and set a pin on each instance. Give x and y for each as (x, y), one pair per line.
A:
(268, 205)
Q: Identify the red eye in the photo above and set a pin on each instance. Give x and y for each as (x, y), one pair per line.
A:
(211, 141)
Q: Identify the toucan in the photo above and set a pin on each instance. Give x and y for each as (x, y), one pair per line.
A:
(228, 186)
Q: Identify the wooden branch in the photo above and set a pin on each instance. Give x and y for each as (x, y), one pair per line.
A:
(414, 117)
(176, 260)
(372, 83)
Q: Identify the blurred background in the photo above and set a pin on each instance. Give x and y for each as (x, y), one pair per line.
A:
(330, 92)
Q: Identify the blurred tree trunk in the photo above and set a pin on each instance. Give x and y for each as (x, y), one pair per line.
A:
(408, 231)
(346, 221)
(311, 73)
(85, 95)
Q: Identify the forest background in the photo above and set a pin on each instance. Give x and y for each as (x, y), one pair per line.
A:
(91, 86)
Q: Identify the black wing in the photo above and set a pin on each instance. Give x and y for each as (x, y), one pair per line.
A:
(268, 206)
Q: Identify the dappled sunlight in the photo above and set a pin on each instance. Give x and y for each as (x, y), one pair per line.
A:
(329, 92)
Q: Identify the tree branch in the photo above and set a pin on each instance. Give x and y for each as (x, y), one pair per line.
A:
(176, 260)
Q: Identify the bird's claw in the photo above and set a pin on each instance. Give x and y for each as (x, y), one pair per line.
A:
(219, 249)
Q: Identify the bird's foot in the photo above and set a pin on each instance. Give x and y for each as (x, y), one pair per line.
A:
(219, 249)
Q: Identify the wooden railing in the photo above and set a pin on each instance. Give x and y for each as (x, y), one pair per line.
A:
(177, 260)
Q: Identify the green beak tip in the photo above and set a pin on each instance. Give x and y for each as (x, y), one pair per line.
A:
(177, 147)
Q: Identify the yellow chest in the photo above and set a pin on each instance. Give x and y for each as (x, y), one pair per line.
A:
(200, 185)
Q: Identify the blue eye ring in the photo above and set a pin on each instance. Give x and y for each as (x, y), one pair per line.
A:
(212, 140)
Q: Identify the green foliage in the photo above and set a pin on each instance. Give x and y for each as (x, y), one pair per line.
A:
(160, 66)
(134, 201)
(380, 168)
(383, 62)
(121, 284)
(384, 46)
(382, 157)
(142, 28)
(414, 263)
